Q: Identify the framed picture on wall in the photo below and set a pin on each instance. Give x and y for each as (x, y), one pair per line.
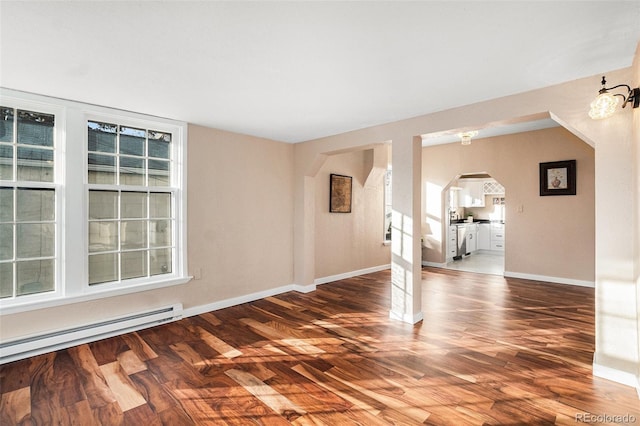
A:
(558, 178)
(340, 194)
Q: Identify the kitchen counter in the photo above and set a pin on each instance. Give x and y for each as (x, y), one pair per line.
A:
(463, 221)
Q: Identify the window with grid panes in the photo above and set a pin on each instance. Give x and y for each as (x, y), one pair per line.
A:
(28, 224)
(92, 202)
(131, 199)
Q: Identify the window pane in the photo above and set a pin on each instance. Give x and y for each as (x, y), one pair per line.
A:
(103, 268)
(159, 205)
(160, 261)
(6, 162)
(35, 205)
(133, 234)
(35, 276)
(6, 280)
(6, 204)
(131, 171)
(133, 205)
(134, 264)
(103, 205)
(102, 169)
(102, 137)
(6, 124)
(103, 236)
(35, 128)
(159, 173)
(35, 240)
(35, 164)
(160, 233)
(6, 241)
(159, 144)
(132, 141)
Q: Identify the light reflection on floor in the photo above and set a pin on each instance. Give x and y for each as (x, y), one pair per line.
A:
(481, 262)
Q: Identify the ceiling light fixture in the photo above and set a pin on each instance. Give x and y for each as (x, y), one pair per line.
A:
(465, 137)
(604, 105)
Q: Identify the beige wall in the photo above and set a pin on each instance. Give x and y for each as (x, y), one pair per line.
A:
(347, 242)
(240, 211)
(553, 236)
(240, 208)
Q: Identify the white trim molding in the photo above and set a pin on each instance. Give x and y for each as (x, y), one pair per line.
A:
(545, 278)
(433, 264)
(622, 377)
(406, 317)
(332, 278)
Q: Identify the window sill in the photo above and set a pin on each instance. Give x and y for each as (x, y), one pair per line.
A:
(86, 297)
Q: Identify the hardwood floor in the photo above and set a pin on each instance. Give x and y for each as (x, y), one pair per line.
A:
(489, 351)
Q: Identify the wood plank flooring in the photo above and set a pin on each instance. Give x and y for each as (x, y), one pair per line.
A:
(489, 351)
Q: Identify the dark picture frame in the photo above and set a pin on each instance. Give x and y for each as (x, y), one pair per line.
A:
(340, 193)
(558, 178)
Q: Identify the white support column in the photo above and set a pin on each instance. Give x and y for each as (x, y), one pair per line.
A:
(406, 257)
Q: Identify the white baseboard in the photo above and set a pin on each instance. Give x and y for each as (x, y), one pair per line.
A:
(405, 317)
(622, 377)
(201, 309)
(324, 280)
(433, 264)
(545, 278)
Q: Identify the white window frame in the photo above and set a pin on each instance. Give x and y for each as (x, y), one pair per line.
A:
(72, 198)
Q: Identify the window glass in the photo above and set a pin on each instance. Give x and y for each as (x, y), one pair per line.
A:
(6, 124)
(103, 236)
(103, 268)
(6, 162)
(132, 141)
(132, 171)
(159, 174)
(102, 137)
(133, 205)
(35, 240)
(159, 205)
(103, 204)
(133, 234)
(35, 205)
(35, 164)
(159, 233)
(160, 261)
(159, 144)
(34, 276)
(6, 280)
(35, 128)
(134, 264)
(6, 241)
(6, 204)
(102, 169)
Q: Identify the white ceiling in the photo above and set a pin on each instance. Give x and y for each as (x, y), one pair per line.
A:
(294, 71)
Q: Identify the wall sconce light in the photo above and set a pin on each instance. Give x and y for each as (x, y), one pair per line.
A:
(466, 137)
(604, 105)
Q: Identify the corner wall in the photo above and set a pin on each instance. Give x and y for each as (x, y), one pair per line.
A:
(348, 242)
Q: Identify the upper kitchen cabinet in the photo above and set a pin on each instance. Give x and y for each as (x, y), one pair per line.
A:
(471, 193)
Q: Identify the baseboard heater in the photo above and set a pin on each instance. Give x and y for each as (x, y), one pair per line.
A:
(61, 339)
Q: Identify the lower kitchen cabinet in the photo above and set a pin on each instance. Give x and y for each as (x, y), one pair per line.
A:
(497, 236)
(484, 236)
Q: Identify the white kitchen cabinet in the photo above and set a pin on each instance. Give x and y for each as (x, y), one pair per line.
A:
(497, 236)
(484, 236)
(471, 193)
(452, 241)
(472, 238)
